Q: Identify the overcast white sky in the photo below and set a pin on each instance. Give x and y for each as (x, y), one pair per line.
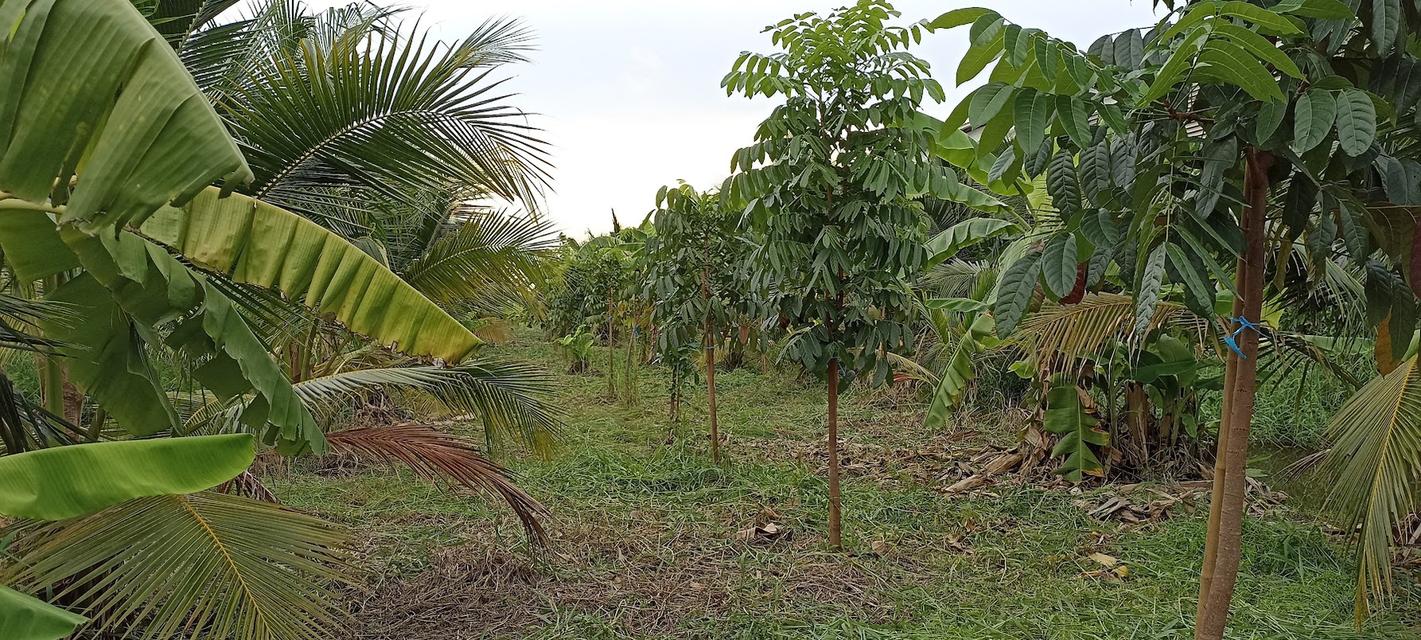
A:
(628, 90)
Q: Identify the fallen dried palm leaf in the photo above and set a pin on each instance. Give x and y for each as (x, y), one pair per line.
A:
(437, 456)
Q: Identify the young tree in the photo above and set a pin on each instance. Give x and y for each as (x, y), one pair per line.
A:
(694, 261)
(1281, 137)
(831, 181)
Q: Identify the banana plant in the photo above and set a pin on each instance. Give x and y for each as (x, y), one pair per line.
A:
(78, 480)
(115, 202)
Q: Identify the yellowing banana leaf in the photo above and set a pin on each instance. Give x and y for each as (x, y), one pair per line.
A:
(65, 482)
(264, 245)
(93, 91)
(26, 618)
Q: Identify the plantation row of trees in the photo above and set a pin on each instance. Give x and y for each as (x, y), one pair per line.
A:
(222, 236)
(1183, 209)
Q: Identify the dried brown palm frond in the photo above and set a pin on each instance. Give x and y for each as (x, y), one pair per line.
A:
(440, 456)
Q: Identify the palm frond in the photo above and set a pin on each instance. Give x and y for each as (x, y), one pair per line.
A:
(26, 427)
(510, 398)
(201, 565)
(1061, 334)
(489, 262)
(318, 118)
(1376, 461)
(438, 456)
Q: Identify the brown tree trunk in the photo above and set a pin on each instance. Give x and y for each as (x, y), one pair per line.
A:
(710, 391)
(1226, 509)
(611, 353)
(629, 372)
(835, 535)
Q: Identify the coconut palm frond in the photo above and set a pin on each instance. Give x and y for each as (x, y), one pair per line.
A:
(489, 262)
(510, 398)
(1066, 333)
(438, 456)
(25, 426)
(199, 565)
(1376, 443)
(317, 118)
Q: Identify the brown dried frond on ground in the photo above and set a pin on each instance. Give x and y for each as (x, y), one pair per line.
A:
(438, 456)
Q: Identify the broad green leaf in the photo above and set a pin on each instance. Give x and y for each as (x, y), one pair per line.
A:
(1270, 115)
(987, 101)
(1312, 119)
(106, 360)
(1179, 62)
(1073, 115)
(25, 618)
(1059, 262)
(1095, 173)
(1386, 23)
(1004, 167)
(65, 482)
(31, 242)
(1259, 46)
(1067, 417)
(1267, 21)
(1032, 115)
(1324, 9)
(958, 374)
(1101, 229)
(965, 234)
(1147, 288)
(985, 48)
(204, 326)
(263, 245)
(92, 79)
(1201, 291)
(1230, 63)
(959, 17)
(1062, 182)
(1129, 49)
(1014, 292)
(1356, 121)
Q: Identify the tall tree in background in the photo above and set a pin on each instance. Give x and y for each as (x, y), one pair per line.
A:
(1279, 138)
(831, 182)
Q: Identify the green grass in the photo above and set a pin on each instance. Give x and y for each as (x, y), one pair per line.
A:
(645, 536)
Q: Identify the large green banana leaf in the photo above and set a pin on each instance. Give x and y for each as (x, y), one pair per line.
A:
(1067, 417)
(158, 290)
(92, 91)
(25, 618)
(66, 482)
(958, 373)
(106, 359)
(264, 245)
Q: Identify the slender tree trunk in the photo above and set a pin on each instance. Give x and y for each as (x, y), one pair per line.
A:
(710, 390)
(96, 428)
(835, 532)
(630, 370)
(1226, 509)
(611, 353)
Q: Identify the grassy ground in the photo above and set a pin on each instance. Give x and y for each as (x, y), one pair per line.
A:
(647, 544)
